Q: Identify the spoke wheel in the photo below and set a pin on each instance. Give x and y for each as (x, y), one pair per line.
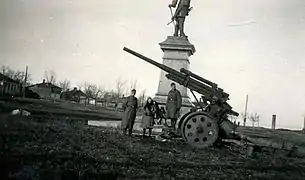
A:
(180, 123)
(199, 130)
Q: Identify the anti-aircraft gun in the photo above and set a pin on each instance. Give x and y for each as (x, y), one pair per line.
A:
(202, 128)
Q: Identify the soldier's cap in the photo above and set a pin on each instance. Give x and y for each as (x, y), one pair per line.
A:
(173, 84)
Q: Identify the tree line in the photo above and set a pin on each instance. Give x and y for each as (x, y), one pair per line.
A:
(91, 90)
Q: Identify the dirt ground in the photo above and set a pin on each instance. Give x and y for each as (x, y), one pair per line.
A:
(57, 150)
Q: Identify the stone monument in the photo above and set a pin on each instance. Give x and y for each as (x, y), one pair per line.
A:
(177, 51)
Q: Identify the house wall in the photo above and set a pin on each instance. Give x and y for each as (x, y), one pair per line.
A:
(10, 88)
(55, 96)
(82, 100)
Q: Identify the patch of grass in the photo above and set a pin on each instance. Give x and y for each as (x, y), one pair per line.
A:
(55, 149)
(60, 108)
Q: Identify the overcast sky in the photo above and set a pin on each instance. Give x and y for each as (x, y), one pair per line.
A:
(254, 47)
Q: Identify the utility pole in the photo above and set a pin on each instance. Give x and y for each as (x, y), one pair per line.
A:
(25, 80)
(273, 121)
(304, 126)
(246, 107)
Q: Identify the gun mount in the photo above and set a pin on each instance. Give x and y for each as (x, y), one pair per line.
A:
(202, 128)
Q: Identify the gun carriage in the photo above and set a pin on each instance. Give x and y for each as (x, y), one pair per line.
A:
(208, 124)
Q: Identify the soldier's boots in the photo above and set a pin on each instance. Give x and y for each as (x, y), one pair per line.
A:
(129, 132)
(181, 35)
(176, 29)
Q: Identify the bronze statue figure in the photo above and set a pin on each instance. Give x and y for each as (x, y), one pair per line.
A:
(179, 17)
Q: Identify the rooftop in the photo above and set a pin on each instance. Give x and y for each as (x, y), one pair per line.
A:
(45, 84)
(6, 78)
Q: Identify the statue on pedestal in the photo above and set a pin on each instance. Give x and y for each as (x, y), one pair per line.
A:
(181, 12)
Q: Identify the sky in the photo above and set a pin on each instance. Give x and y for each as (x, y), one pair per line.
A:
(253, 47)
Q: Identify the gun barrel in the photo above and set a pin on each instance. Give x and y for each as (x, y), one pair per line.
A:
(234, 113)
(179, 77)
(161, 66)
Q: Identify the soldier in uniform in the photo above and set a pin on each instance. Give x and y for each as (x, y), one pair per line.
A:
(180, 14)
(130, 111)
(173, 105)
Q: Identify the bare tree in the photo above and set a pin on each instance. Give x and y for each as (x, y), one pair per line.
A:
(86, 90)
(232, 118)
(142, 98)
(96, 92)
(132, 85)
(80, 86)
(16, 75)
(254, 119)
(65, 84)
(93, 91)
(120, 87)
(243, 116)
(50, 76)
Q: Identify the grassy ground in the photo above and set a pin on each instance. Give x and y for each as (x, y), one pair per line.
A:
(50, 148)
(56, 150)
(58, 108)
(295, 137)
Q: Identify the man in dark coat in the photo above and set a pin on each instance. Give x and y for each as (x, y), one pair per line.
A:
(173, 105)
(130, 111)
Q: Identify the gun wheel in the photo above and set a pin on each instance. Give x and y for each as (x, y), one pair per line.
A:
(199, 130)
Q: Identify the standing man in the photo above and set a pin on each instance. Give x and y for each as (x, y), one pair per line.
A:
(179, 17)
(130, 111)
(173, 105)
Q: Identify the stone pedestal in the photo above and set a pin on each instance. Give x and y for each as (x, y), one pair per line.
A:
(177, 51)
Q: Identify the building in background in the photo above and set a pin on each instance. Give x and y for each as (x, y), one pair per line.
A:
(46, 90)
(74, 95)
(9, 86)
